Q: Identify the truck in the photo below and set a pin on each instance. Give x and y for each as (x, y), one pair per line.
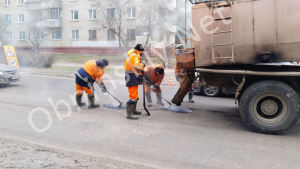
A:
(239, 44)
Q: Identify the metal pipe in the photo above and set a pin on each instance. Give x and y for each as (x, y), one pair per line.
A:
(247, 72)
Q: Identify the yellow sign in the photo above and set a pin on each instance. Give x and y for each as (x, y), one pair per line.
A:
(11, 56)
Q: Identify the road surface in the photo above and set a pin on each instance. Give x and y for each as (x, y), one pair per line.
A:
(212, 136)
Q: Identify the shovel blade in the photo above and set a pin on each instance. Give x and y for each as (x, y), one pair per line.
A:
(114, 106)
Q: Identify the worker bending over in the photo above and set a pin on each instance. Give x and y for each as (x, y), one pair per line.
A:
(154, 75)
(92, 71)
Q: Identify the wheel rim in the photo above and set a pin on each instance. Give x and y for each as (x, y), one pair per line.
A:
(211, 90)
(270, 108)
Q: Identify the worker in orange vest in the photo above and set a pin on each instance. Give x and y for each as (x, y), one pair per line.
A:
(133, 78)
(154, 75)
(92, 71)
(191, 90)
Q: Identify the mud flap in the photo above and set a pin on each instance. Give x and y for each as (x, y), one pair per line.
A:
(185, 84)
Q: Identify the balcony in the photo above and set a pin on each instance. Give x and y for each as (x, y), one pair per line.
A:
(54, 23)
(32, 5)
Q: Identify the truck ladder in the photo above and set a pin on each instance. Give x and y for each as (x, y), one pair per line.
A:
(229, 4)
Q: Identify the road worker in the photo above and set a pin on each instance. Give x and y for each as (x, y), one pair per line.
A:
(92, 71)
(133, 77)
(191, 89)
(153, 77)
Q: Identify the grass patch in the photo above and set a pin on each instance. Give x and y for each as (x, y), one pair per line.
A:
(113, 60)
(64, 68)
(157, 60)
(82, 58)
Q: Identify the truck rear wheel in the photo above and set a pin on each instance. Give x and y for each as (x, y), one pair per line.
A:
(270, 107)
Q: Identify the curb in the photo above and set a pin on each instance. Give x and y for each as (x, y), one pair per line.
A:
(45, 74)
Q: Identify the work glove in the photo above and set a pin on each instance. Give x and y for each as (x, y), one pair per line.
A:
(153, 88)
(103, 88)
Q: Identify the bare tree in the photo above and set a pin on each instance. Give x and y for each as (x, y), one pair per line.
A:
(151, 16)
(114, 21)
(3, 26)
(36, 30)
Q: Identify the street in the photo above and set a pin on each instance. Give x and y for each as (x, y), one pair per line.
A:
(212, 136)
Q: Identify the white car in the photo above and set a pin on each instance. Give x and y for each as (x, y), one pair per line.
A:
(8, 74)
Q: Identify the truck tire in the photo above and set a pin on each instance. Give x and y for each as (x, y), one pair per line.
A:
(270, 107)
(211, 91)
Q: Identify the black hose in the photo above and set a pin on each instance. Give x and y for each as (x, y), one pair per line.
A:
(144, 94)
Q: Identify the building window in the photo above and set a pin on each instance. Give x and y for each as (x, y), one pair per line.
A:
(7, 19)
(52, 14)
(131, 34)
(22, 35)
(20, 18)
(74, 15)
(131, 12)
(111, 34)
(56, 35)
(92, 34)
(6, 2)
(20, 2)
(8, 35)
(75, 35)
(92, 14)
(111, 13)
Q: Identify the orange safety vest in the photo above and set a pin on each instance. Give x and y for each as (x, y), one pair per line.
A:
(151, 75)
(94, 71)
(133, 63)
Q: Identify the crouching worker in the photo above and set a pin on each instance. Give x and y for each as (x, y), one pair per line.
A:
(92, 71)
(133, 78)
(153, 77)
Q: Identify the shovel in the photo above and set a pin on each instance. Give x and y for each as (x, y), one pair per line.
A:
(165, 99)
(114, 106)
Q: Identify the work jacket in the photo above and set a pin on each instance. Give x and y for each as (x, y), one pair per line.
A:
(133, 68)
(152, 78)
(90, 73)
(177, 70)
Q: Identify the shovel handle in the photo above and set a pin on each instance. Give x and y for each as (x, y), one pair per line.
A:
(144, 93)
(164, 99)
(114, 97)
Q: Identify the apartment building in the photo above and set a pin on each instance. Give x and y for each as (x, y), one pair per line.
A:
(76, 23)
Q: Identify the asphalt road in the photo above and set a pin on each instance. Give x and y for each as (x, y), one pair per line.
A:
(212, 136)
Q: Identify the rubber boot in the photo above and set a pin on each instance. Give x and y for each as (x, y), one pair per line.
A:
(149, 100)
(129, 110)
(78, 100)
(159, 102)
(92, 102)
(135, 112)
(191, 97)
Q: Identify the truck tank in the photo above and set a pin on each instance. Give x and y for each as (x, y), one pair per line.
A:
(246, 32)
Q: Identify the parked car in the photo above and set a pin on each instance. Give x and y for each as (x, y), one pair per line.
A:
(210, 91)
(8, 74)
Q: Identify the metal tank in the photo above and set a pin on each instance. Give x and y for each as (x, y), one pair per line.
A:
(246, 32)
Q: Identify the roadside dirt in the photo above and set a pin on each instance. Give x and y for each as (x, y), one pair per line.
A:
(19, 154)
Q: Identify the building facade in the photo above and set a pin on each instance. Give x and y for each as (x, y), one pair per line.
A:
(77, 23)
